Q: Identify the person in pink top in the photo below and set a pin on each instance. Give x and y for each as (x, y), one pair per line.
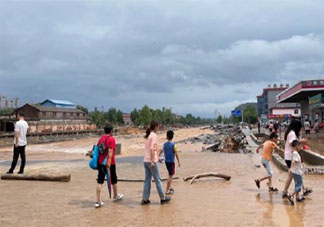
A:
(151, 166)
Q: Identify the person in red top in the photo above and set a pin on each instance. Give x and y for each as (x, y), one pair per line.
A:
(110, 143)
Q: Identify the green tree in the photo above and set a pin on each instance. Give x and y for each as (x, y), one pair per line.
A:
(157, 115)
(97, 118)
(145, 116)
(219, 119)
(190, 119)
(120, 119)
(168, 117)
(111, 115)
(134, 115)
(250, 114)
(84, 109)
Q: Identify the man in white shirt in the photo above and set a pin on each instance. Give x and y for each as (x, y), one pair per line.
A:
(307, 127)
(20, 143)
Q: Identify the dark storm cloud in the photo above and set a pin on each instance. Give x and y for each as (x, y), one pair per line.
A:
(194, 56)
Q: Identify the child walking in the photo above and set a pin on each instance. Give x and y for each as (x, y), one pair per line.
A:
(170, 151)
(268, 148)
(297, 170)
(151, 165)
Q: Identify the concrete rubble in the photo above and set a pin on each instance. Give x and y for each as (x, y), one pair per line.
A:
(226, 139)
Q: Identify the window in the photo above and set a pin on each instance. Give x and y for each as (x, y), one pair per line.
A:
(296, 111)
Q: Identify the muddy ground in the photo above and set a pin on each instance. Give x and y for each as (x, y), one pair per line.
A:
(208, 202)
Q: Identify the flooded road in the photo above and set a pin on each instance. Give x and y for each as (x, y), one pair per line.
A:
(207, 202)
(316, 142)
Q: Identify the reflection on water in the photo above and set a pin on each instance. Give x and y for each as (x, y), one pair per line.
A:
(278, 211)
(316, 142)
(296, 214)
(268, 214)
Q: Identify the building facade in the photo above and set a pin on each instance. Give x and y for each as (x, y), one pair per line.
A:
(309, 94)
(127, 119)
(52, 119)
(268, 108)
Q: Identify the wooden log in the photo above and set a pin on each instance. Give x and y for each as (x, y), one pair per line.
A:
(38, 177)
(140, 180)
(202, 175)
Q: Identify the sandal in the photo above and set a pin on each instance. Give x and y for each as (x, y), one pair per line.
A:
(257, 182)
(284, 195)
(301, 199)
(291, 199)
(307, 191)
(272, 189)
(171, 192)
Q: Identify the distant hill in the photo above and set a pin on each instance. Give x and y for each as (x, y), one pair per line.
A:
(244, 105)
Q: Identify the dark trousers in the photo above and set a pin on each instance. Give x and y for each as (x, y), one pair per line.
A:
(18, 151)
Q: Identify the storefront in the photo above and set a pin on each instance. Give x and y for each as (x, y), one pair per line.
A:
(309, 94)
(316, 106)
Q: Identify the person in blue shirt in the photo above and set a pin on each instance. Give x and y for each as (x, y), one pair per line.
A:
(170, 152)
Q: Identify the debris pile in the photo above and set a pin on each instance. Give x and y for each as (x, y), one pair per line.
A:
(227, 139)
(314, 170)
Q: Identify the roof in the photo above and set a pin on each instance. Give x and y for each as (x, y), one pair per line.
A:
(272, 89)
(60, 102)
(55, 109)
(301, 91)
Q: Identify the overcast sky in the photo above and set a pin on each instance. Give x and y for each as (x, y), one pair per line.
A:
(192, 55)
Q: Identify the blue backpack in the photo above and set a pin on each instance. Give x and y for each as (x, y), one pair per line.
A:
(93, 163)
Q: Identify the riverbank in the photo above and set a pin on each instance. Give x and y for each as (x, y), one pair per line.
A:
(131, 145)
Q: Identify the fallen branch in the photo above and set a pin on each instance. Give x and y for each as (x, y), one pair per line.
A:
(40, 177)
(139, 180)
(202, 175)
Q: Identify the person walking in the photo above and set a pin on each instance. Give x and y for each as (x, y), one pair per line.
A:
(316, 127)
(307, 127)
(151, 166)
(109, 154)
(292, 133)
(20, 142)
(268, 148)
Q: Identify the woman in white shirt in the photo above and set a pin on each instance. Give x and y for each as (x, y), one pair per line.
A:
(292, 133)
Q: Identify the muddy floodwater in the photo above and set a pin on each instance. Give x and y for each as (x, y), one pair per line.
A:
(207, 202)
(316, 142)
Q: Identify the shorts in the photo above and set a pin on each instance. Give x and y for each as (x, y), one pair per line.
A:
(113, 175)
(298, 182)
(288, 163)
(102, 171)
(267, 166)
(171, 168)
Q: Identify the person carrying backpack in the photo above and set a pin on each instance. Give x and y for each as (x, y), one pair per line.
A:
(106, 160)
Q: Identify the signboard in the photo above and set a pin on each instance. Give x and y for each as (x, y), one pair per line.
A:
(316, 100)
(313, 83)
(236, 113)
(277, 116)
